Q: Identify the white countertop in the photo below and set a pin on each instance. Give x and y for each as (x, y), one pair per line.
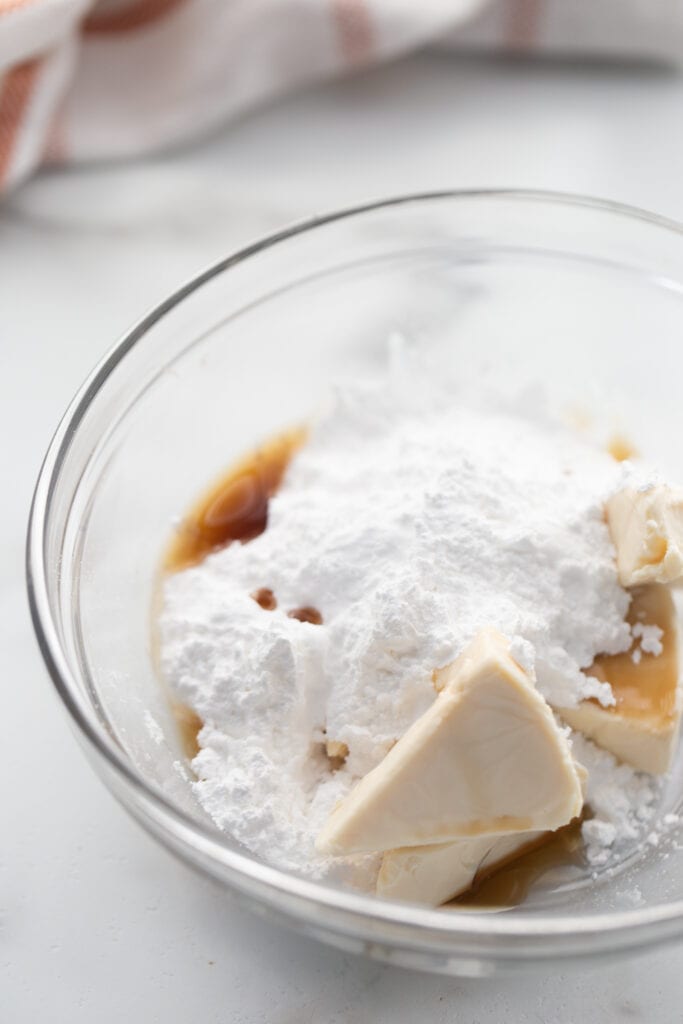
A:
(98, 923)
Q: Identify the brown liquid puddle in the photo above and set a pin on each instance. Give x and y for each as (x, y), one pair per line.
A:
(621, 449)
(189, 726)
(646, 690)
(508, 884)
(236, 507)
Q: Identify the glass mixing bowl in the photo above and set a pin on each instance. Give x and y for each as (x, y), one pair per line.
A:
(582, 296)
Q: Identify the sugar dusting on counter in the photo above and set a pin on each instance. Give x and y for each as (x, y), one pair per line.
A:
(409, 526)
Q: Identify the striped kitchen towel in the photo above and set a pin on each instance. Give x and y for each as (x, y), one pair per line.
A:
(93, 79)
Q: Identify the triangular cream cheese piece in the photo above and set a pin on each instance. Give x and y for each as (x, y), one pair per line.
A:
(438, 873)
(486, 758)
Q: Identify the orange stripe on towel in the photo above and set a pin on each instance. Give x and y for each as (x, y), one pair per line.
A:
(15, 93)
(522, 23)
(12, 5)
(355, 29)
(55, 152)
(138, 14)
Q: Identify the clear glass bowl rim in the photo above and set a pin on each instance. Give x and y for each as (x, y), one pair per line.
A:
(359, 915)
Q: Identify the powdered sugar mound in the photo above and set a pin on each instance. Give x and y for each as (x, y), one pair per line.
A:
(260, 769)
(524, 653)
(622, 800)
(409, 527)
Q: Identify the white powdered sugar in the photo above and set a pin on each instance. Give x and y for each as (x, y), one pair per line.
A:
(622, 802)
(409, 529)
(650, 638)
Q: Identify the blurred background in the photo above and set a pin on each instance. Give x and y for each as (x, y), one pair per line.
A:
(141, 140)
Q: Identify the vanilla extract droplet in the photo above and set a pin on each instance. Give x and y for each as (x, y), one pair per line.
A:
(306, 614)
(265, 598)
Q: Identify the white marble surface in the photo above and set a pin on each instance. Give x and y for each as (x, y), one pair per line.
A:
(96, 922)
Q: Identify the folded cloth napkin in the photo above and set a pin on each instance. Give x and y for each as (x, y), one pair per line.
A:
(83, 80)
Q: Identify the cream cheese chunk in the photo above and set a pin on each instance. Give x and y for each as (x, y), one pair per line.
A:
(647, 531)
(486, 758)
(645, 749)
(436, 874)
(642, 726)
